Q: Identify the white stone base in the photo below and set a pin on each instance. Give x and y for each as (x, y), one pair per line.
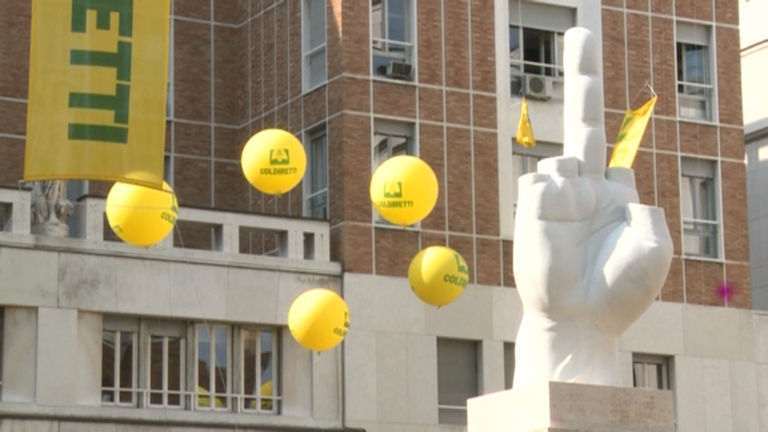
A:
(567, 407)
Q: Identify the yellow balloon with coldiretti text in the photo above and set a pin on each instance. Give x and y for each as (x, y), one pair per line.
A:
(404, 189)
(139, 215)
(438, 275)
(273, 161)
(318, 319)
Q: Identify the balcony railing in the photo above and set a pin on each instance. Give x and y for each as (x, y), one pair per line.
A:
(227, 232)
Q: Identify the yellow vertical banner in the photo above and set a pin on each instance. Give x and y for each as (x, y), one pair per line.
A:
(524, 130)
(98, 72)
(631, 134)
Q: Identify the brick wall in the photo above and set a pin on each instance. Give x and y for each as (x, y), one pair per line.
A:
(639, 46)
(237, 69)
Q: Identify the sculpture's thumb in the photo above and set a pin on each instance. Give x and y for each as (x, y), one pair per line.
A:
(631, 268)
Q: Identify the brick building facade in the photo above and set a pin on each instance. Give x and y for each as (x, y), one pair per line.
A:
(238, 66)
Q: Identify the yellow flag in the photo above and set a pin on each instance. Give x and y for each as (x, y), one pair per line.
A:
(524, 129)
(630, 134)
(98, 74)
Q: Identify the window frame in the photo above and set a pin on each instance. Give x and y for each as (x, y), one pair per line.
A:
(645, 360)
(119, 325)
(695, 35)
(409, 30)
(530, 155)
(309, 194)
(308, 52)
(213, 393)
(441, 406)
(390, 129)
(165, 330)
(686, 180)
(234, 395)
(509, 365)
(275, 398)
(519, 68)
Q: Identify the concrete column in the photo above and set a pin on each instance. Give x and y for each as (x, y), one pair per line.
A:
(57, 371)
(89, 358)
(296, 377)
(19, 354)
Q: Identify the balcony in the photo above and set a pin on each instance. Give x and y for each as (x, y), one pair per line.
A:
(240, 267)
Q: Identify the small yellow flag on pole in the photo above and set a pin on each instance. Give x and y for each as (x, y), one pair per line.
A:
(630, 134)
(97, 90)
(524, 129)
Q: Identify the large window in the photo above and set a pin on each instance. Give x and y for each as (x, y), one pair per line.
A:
(392, 38)
(651, 371)
(457, 378)
(165, 362)
(213, 366)
(119, 362)
(536, 47)
(144, 364)
(313, 16)
(699, 207)
(259, 357)
(316, 184)
(694, 76)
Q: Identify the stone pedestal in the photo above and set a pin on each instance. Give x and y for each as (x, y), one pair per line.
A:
(566, 407)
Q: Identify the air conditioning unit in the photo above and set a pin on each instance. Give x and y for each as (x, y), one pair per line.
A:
(399, 70)
(538, 87)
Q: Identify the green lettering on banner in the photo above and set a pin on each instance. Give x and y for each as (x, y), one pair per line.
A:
(103, 9)
(119, 103)
(95, 132)
(120, 60)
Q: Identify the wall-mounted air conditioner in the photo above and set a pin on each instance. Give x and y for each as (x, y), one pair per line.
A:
(538, 87)
(399, 70)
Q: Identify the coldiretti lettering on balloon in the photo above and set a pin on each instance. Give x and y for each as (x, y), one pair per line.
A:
(455, 280)
(278, 171)
(438, 275)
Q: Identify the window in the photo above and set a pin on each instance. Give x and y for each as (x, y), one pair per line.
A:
(119, 365)
(392, 40)
(391, 139)
(316, 187)
(259, 357)
(536, 48)
(144, 364)
(212, 366)
(525, 159)
(166, 364)
(314, 43)
(699, 207)
(509, 364)
(457, 378)
(650, 371)
(694, 79)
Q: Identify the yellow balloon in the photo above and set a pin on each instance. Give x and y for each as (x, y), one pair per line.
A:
(318, 319)
(140, 215)
(438, 275)
(404, 189)
(273, 161)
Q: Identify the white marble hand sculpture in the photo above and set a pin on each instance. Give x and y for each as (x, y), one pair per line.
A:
(588, 259)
